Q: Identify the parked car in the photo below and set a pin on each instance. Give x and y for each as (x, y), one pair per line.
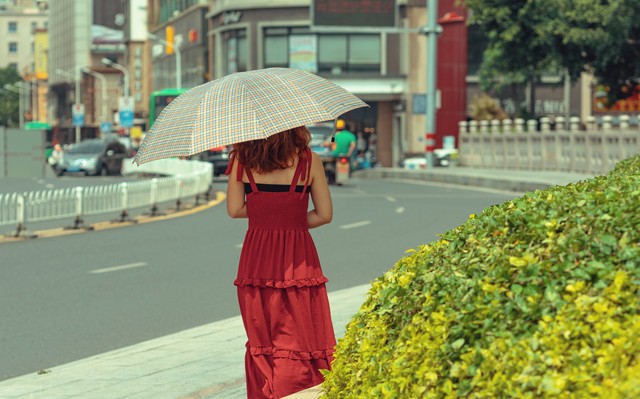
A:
(441, 157)
(219, 157)
(320, 134)
(93, 157)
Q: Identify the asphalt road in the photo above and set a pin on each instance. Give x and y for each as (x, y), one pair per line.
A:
(67, 298)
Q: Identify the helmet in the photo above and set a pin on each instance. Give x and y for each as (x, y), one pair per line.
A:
(340, 125)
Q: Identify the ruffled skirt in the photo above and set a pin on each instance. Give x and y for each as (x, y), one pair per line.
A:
(285, 311)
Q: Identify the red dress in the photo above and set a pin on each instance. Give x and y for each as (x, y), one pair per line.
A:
(281, 291)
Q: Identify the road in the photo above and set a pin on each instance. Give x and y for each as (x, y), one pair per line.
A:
(71, 297)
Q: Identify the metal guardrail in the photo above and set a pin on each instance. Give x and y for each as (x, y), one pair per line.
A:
(186, 179)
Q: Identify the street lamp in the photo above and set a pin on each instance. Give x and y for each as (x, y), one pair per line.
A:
(176, 49)
(103, 84)
(122, 69)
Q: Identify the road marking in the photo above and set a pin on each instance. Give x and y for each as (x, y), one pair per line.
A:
(400, 210)
(354, 225)
(117, 268)
(391, 199)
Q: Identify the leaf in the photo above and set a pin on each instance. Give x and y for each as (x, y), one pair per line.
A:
(457, 344)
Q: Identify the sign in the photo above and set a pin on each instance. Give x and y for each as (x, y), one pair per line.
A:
(354, 13)
(105, 127)
(631, 103)
(302, 53)
(419, 104)
(77, 114)
(231, 17)
(125, 108)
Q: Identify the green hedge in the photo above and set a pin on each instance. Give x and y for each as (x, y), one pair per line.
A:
(536, 297)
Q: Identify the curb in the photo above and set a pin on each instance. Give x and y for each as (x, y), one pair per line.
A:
(107, 225)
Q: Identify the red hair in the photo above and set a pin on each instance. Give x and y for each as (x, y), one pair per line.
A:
(274, 152)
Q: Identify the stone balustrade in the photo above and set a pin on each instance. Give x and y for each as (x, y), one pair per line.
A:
(551, 144)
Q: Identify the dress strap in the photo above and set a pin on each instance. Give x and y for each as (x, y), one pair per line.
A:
(227, 172)
(303, 171)
(254, 186)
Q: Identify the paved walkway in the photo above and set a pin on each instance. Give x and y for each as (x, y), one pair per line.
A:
(208, 362)
(205, 362)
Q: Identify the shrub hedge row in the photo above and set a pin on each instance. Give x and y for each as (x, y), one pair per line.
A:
(535, 297)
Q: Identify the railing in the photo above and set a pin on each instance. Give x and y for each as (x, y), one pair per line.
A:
(190, 178)
(529, 145)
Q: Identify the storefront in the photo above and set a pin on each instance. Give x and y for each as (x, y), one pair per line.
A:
(366, 64)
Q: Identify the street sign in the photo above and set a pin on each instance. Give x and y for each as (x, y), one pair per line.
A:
(105, 127)
(354, 13)
(125, 107)
(77, 114)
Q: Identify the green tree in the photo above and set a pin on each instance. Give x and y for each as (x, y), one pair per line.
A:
(601, 37)
(529, 37)
(9, 108)
(519, 49)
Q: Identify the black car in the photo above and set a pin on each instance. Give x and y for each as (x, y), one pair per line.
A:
(93, 157)
(219, 157)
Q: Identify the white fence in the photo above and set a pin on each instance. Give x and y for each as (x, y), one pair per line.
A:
(582, 148)
(187, 179)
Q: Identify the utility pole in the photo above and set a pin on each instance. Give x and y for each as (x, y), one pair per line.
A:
(432, 31)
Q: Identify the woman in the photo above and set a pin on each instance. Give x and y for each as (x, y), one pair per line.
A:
(281, 288)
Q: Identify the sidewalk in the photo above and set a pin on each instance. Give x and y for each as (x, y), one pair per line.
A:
(507, 180)
(207, 362)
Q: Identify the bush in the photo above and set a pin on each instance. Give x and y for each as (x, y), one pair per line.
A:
(485, 107)
(536, 297)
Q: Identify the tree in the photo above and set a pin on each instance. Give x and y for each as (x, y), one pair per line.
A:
(529, 37)
(518, 49)
(601, 37)
(9, 108)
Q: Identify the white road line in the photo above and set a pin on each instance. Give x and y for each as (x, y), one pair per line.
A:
(400, 210)
(354, 225)
(117, 268)
(391, 199)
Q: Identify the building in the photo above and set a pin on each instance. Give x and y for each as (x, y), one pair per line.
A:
(81, 34)
(137, 57)
(20, 24)
(383, 67)
(178, 27)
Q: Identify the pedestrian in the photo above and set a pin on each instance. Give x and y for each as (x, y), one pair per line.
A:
(56, 155)
(280, 283)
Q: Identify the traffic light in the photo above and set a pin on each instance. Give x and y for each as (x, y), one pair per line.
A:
(169, 32)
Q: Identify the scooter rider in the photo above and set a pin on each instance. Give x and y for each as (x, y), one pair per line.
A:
(345, 142)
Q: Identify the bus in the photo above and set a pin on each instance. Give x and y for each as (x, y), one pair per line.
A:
(159, 100)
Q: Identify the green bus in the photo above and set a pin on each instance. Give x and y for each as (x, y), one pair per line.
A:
(159, 100)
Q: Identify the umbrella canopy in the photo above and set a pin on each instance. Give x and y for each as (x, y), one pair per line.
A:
(241, 107)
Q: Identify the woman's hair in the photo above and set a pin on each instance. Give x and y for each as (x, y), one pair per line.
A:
(274, 152)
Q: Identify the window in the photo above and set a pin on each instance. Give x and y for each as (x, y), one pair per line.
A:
(13, 27)
(325, 53)
(34, 26)
(236, 51)
(13, 66)
(13, 47)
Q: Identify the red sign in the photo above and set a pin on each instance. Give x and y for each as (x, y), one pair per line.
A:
(628, 104)
(354, 13)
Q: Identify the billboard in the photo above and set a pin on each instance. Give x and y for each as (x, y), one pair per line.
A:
(354, 13)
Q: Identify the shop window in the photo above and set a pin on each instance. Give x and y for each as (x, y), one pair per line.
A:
(236, 51)
(325, 53)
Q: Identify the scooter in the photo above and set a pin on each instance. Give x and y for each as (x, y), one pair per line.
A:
(337, 169)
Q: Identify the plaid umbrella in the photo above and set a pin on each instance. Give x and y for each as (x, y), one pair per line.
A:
(241, 107)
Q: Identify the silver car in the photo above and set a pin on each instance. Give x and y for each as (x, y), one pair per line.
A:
(93, 157)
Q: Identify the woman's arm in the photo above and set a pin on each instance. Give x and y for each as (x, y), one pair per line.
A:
(236, 205)
(320, 195)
